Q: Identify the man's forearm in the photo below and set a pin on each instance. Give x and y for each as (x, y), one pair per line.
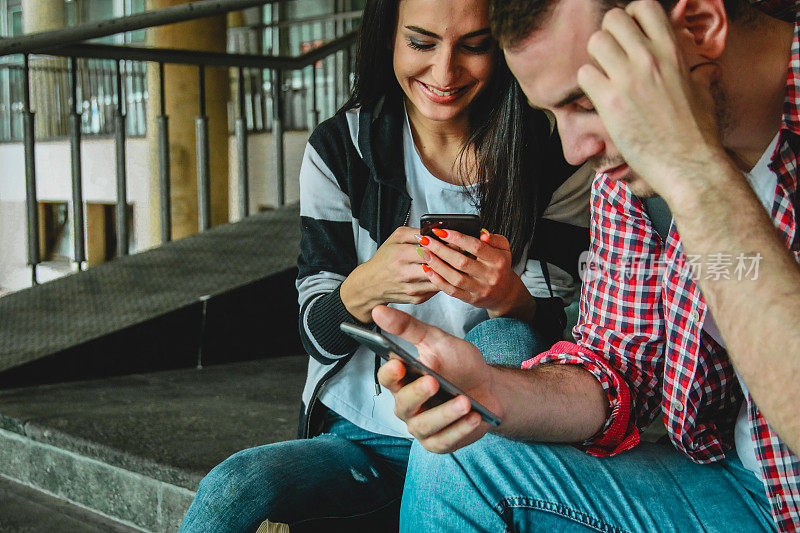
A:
(758, 317)
(550, 403)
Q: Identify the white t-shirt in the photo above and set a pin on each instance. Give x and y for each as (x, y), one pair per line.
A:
(764, 182)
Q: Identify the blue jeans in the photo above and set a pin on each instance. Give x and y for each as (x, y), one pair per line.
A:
(497, 484)
(347, 477)
(506, 341)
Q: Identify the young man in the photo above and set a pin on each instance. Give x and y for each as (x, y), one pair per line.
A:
(701, 106)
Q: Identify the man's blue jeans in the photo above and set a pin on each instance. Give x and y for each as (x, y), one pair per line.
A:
(497, 484)
(345, 478)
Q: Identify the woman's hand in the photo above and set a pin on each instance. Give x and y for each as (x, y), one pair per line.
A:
(487, 281)
(392, 275)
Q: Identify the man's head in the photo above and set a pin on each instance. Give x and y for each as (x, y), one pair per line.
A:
(545, 43)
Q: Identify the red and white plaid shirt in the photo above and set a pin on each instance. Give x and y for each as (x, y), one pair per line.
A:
(641, 329)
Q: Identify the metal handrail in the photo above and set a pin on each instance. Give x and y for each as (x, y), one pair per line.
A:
(36, 42)
(344, 15)
(198, 57)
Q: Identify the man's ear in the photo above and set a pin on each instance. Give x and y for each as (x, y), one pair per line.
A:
(704, 23)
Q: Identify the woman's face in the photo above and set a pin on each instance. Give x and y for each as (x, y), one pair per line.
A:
(443, 54)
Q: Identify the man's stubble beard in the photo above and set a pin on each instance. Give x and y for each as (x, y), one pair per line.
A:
(640, 187)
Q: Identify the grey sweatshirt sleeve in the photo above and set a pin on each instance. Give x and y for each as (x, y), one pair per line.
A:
(327, 256)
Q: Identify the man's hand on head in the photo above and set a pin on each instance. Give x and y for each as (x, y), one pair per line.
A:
(451, 425)
(658, 113)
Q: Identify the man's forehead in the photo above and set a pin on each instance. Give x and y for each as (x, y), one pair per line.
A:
(546, 62)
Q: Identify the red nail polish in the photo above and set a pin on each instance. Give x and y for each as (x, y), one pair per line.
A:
(442, 234)
(426, 268)
(423, 241)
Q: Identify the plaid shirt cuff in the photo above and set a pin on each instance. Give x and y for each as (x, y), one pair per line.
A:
(619, 433)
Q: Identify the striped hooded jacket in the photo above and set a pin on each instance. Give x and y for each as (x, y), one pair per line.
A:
(353, 196)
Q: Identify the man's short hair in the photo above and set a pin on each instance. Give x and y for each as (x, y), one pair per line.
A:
(513, 20)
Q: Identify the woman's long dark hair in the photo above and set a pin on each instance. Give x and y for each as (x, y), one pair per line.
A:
(504, 133)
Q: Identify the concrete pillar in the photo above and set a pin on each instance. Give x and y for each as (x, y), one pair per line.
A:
(49, 87)
(42, 15)
(182, 97)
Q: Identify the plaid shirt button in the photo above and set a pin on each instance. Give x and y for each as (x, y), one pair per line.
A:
(677, 406)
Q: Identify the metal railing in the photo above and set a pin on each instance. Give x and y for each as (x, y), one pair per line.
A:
(302, 107)
(95, 95)
(98, 99)
(271, 72)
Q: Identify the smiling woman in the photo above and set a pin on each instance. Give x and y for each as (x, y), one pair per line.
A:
(435, 124)
(442, 58)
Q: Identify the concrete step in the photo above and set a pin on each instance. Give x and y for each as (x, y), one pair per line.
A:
(134, 448)
(25, 510)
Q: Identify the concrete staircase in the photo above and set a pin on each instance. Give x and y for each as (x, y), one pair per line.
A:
(133, 448)
(121, 386)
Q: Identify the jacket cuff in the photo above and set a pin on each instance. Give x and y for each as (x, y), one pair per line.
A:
(324, 317)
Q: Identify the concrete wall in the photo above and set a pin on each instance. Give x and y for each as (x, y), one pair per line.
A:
(261, 154)
(53, 183)
(99, 185)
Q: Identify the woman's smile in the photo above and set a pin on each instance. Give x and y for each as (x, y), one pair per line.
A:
(441, 95)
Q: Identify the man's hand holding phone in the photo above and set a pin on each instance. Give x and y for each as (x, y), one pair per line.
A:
(451, 425)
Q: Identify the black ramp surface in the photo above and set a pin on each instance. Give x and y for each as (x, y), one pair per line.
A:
(152, 286)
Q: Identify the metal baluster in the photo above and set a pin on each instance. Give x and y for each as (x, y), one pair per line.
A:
(324, 68)
(327, 86)
(94, 96)
(336, 78)
(6, 116)
(163, 162)
(262, 102)
(314, 118)
(346, 71)
(277, 134)
(201, 133)
(122, 179)
(249, 103)
(31, 202)
(241, 145)
(341, 59)
(136, 99)
(79, 245)
(108, 110)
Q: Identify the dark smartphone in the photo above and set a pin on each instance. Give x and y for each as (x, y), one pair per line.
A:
(384, 347)
(466, 224)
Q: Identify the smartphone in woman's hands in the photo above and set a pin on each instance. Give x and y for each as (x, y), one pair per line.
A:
(466, 224)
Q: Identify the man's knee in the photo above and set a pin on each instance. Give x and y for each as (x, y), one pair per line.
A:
(497, 462)
(426, 469)
(506, 341)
